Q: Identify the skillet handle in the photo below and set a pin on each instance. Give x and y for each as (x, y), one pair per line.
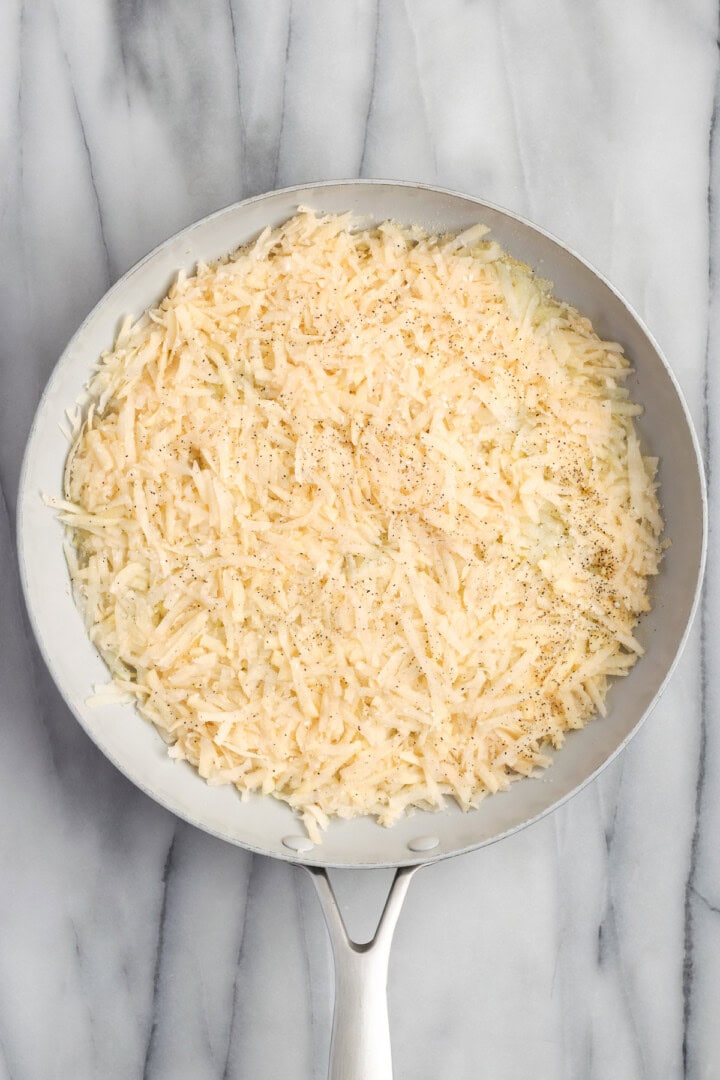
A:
(360, 1045)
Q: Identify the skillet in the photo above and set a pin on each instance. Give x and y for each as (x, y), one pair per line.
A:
(361, 1041)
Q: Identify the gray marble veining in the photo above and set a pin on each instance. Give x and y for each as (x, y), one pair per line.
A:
(131, 945)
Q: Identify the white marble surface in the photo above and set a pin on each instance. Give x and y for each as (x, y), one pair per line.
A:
(132, 945)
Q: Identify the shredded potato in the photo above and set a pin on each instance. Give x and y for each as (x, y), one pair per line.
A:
(360, 520)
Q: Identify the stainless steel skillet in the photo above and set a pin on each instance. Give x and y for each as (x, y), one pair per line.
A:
(361, 1046)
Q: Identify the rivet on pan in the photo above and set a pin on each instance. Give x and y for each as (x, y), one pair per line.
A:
(298, 843)
(423, 843)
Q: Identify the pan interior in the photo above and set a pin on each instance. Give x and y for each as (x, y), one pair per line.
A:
(263, 823)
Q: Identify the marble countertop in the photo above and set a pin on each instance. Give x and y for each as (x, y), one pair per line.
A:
(132, 945)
